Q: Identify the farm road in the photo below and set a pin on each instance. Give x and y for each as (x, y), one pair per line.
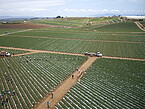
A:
(43, 51)
(65, 86)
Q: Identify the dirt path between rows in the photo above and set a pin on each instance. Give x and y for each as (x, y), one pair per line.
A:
(43, 51)
(79, 39)
(65, 86)
(25, 53)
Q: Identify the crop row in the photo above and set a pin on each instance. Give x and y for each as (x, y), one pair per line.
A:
(120, 49)
(33, 76)
(113, 84)
(84, 35)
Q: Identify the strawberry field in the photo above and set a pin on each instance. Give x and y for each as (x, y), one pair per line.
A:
(120, 49)
(81, 34)
(32, 77)
(108, 83)
(119, 27)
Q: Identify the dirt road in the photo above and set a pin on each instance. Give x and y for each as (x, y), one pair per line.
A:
(140, 26)
(64, 87)
(43, 51)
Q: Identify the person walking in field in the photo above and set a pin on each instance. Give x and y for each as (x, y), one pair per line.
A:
(72, 76)
(52, 94)
(48, 104)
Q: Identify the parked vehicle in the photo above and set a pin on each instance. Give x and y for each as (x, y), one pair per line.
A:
(98, 54)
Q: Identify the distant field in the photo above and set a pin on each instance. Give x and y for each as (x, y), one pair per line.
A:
(33, 76)
(110, 84)
(119, 27)
(81, 34)
(121, 49)
(62, 22)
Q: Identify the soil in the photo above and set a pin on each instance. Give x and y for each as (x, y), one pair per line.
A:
(23, 26)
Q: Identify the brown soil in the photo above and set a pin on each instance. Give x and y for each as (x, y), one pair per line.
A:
(23, 26)
(25, 53)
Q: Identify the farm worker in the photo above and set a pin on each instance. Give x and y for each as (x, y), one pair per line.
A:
(2, 103)
(72, 76)
(33, 103)
(6, 74)
(0, 96)
(7, 100)
(4, 92)
(14, 92)
(52, 94)
(9, 93)
(48, 104)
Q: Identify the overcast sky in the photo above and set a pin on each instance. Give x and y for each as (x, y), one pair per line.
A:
(71, 7)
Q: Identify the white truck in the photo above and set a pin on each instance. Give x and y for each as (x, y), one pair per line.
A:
(98, 54)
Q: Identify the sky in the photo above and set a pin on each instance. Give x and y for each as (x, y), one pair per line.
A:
(71, 8)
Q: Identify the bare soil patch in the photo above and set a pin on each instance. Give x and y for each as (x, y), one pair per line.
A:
(23, 26)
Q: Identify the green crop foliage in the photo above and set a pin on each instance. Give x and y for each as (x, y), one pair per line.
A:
(109, 83)
(3, 31)
(34, 75)
(120, 49)
(120, 27)
(89, 35)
